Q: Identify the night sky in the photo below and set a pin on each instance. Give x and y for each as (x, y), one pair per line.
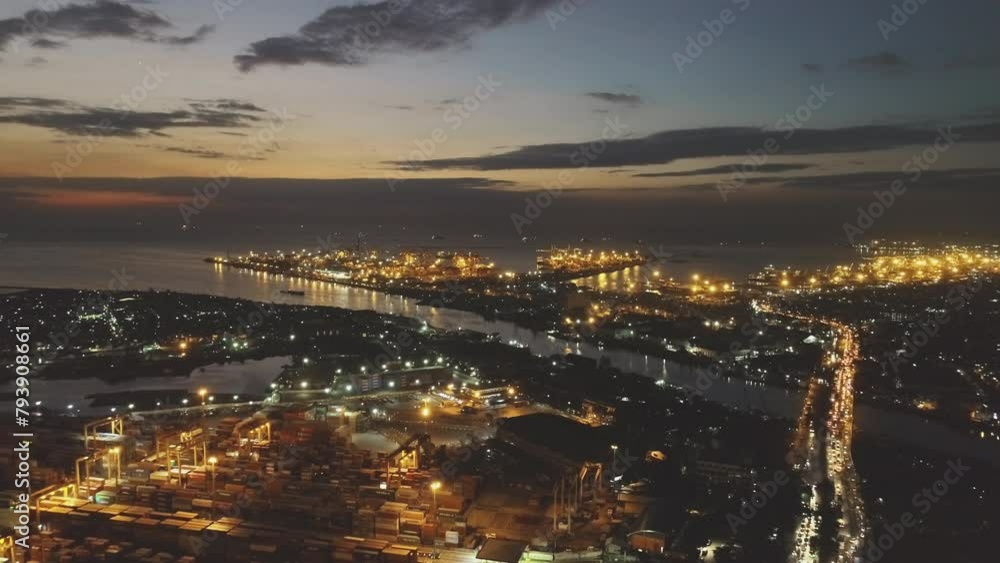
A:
(116, 110)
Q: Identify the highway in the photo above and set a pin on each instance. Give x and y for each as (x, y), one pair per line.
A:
(840, 461)
(809, 450)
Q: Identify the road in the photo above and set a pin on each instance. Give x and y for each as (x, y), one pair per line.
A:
(837, 414)
(257, 405)
(840, 461)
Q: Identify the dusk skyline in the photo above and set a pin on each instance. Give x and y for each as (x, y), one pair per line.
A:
(363, 112)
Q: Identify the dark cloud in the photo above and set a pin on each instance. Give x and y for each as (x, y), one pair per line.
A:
(815, 68)
(198, 152)
(72, 119)
(447, 103)
(725, 169)
(270, 212)
(669, 146)
(43, 43)
(886, 61)
(354, 35)
(953, 180)
(304, 190)
(616, 98)
(8, 103)
(956, 179)
(101, 18)
(199, 34)
(226, 104)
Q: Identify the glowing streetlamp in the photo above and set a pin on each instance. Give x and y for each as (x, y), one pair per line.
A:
(202, 393)
(434, 489)
(212, 461)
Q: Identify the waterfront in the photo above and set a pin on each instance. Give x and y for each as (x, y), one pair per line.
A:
(184, 271)
(178, 264)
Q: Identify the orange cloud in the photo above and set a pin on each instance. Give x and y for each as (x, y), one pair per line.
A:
(55, 197)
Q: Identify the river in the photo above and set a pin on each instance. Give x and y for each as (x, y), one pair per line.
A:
(184, 271)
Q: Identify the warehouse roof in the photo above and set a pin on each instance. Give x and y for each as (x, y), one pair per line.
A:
(504, 551)
(562, 435)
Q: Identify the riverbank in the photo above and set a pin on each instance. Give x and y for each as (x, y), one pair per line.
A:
(735, 394)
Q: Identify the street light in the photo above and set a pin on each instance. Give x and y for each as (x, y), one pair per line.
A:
(434, 489)
(202, 393)
(211, 463)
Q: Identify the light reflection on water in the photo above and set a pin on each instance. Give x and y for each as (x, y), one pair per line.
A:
(91, 267)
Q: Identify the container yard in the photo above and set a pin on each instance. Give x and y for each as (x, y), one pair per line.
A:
(285, 484)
